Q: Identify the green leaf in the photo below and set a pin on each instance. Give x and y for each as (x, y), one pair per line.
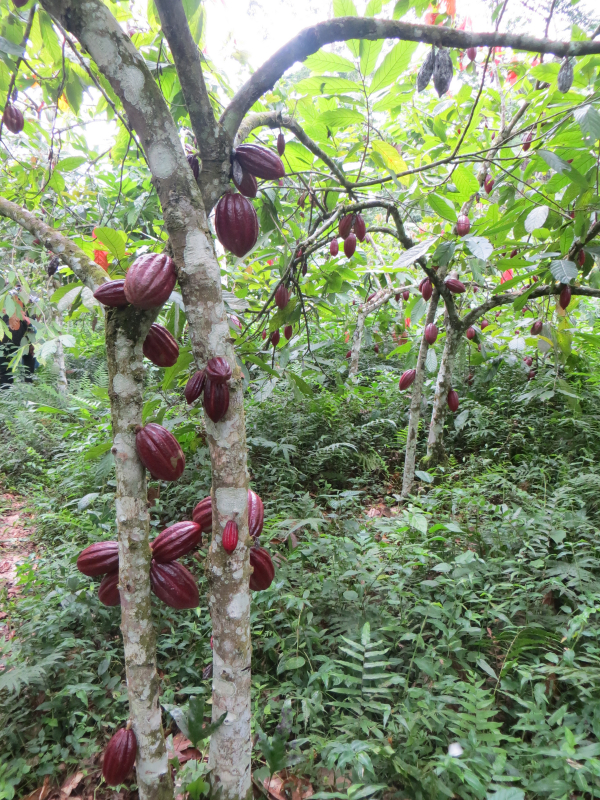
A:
(326, 85)
(443, 207)
(328, 62)
(373, 7)
(304, 387)
(536, 218)
(63, 290)
(563, 271)
(369, 53)
(293, 663)
(262, 364)
(588, 120)
(71, 163)
(482, 664)
(393, 65)
(344, 8)
(342, 118)
(414, 253)
(10, 48)
(114, 240)
(96, 451)
(465, 181)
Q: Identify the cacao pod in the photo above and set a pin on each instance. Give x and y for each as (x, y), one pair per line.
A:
(397, 297)
(471, 53)
(159, 452)
(527, 142)
(230, 536)
(536, 328)
(194, 165)
(514, 253)
(202, 514)
(426, 289)
(13, 119)
(345, 226)
(256, 514)
(247, 185)
(236, 224)
(453, 400)
(406, 294)
(150, 280)
(349, 354)
(288, 332)
(488, 185)
(174, 585)
(426, 71)
(407, 379)
(470, 333)
(20, 3)
(442, 72)
(565, 75)
(581, 258)
(282, 296)
(216, 400)
(108, 591)
(194, 387)
(360, 228)
(98, 559)
(260, 162)
(454, 286)
(264, 571)
(53, 266)
(484, 324)
(565, 296)
(350, 245)
(470, 378)
(160, 347)
(112, 294)
(119, 757)
(264, 335)
(334, 247)
(218, 370)
(275, 337)
(376, 348)
(463, 225)
(531, 375)
(528, 360)
(281, 143)
(176, 541)
(431, 333)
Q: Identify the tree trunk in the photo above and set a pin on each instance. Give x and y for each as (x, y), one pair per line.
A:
(357, 341)
(435, 443)
(62, 384)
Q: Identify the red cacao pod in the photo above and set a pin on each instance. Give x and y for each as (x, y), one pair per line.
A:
(216, 400)
(407, 379)
(488, 185)
(376, 348)
(174, 585)
(281, 143)
(150, 280)
(176, 541)
(397, 297)
(463, 225)
(471, 53)
(230, 536)
(282, 296)
(406, 294)
(536, 328)
(194, 387)
(248, 185)
(264, 571)
(259, 161)
(256, 514)
(349, 354)
(514, 253)
(484, 324)
(426, 289)
(470, 378)
(565, 296)
(194, 165)
(453, 400)
(334, 247)
(350, 245)
(160, 347)
(236, 224)
(108, 591)
(531, 375)
(218, 370)
(456, 287)
(119, 757)
(202, 514)
(528, 360)
(98, 559)
(112, 294)
(431, 333)
(345, 226)
(159, 452)
(264, 335)
(360, 228)
(581, 258)
(527, 142)
(470, 333)
(275, 337)
(288, 332)
(13, 118)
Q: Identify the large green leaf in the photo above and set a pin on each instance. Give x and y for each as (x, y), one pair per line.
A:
(443, 207)
(342, 118)
(393, 65)
(114, 240)
(328, 62)
(369, 53)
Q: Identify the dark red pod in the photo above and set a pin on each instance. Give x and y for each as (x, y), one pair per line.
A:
(581, 258)
(350, 245)
(484, 324)
(528, 360)
(288, 332)
(216, 400)
(202, 514)
(194, 387)
(176, 541)
(455, 286)
(488, 185)
(527, 142)
(159, 452)
(407, 379)
(565, 296)
(531, 375)
(470, 333)
(98, 559)
(360, 228)
(112, 294)
(453, 400)
(119, 757)
(174, 585)
(431, 333)
(426, 289)
(12, 118)
(275, 337)
(463, 225)
(108, 591)
(471, 53)
(150, 280)
(345, 226)
(248, 185)
(230, 536)
(236, 224)
(406, 294)
(160, 347)
(264, 571)
(194, 165)
(281, 143)
(282, 296)
(349, 354)
(218, 370)
(256, 514)
(536, 328)
(259, 161)
(334, 247)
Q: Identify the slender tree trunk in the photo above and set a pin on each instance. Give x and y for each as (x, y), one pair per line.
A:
(435, 443)
(357, 341)
(62, 384)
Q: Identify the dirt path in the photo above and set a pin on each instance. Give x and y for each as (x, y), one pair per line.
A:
(15, 547)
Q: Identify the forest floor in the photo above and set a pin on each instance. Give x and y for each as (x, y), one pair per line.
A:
(16, 545)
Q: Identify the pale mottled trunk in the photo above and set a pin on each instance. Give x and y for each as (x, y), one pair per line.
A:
(357, 341)
(124, 337)
(435, 443)
(62, 384)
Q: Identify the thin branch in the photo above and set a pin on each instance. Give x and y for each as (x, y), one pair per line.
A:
(19, 60)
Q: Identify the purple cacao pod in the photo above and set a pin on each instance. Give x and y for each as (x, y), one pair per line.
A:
(176, 541)
(360, 228)
(194, 387)
(119, 757)
(470, 333)
(159, 452)
(431, 333)
(282, 296)
(259, 161)
(247, 185)
(452, 400)
(484, 324)
(281, 143)
(194, 165)
(454, 286)
(216, 400)
(407, 379)
(426, 289)
(236, 224)
(263, 569)
(112, 294)
(256, 514)
(218, 370)
(13, 119)
(174, 585)
(202, 514)
(98, 559)
(150, 280)
(288, 332)
(345, 226)
(108, 591)
(349, 245)
(275, 337)
(160, 347)
(334, 247)
(565, 296)
(463, 225)
(230, 536)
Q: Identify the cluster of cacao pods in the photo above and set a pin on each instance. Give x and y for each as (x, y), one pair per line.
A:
(438, 65)
(350, 228)
(212, 381)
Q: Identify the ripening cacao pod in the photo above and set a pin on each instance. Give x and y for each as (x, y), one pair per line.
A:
(176, 541)
(426, 289)
(259, 161)
(174, 585)
(282, 296)
(119, 757)
(230, 536)
(454, 286)
(431, 333)
(536, 328)
(194, 165)
(108, 591)
(565, 296)
(159, 452)
(426, 71)
(246, 184)
(471, 53)
(407, 379)
(527, 142)
(453, 400)
(565, 75)
(112, 294)
(275, 337)
(349, 354)
(514, 253)
(488, 185)
(264, 335)
(528, 360)
(406, 294)
(160, 347)
(531, 375)
(334, 247)
(360, 228)
(345, 226)
(256, 514)
(397, 297)
(470, 333)
(194, 387)
(13, 119)
(150, 280)
(581, 258)
(350, 245)
(376, 348)
(288, 332)
(218, 370)
(202, 514)
(442, 72)
(484, 324)
(98, 559)
(236, 224)
(281, 143)
(264, 571)
(463, 225)
(216, 400)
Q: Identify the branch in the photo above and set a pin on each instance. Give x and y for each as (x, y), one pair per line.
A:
(24, 40)
(341, 29)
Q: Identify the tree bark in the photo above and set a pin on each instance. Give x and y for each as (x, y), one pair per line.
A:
(357, 341)
(62, 384)
(435, 442)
